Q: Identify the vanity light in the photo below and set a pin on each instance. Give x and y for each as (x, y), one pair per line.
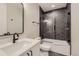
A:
(53, 6)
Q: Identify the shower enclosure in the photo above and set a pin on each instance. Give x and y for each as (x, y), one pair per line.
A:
(56, 24)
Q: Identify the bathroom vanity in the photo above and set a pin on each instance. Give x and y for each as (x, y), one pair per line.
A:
(22, 47)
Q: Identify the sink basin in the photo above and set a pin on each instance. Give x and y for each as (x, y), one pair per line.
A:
(15, 47)
(7, 42)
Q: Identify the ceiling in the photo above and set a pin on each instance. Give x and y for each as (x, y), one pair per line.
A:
(51, 6)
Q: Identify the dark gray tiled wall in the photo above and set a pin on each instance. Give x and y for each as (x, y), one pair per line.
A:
(59, 27)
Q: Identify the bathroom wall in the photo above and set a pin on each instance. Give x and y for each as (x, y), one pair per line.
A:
(75, 29)
(31, 13)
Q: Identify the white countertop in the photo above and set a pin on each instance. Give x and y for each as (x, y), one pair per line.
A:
(10, 48)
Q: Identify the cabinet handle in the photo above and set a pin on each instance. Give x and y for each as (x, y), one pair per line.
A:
(31, 53)
(28, 54)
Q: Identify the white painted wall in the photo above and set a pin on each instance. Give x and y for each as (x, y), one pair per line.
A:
(75, 28)
(31, 13)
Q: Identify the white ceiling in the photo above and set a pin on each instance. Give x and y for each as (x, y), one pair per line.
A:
(48, 6)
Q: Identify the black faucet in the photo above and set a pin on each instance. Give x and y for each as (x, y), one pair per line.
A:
(14, 37)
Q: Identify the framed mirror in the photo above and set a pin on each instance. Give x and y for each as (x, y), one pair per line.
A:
(11, 18)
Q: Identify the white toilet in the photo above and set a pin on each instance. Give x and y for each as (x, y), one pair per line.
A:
(45, 48)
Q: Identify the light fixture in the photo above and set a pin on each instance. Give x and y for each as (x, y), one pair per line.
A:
(52, 5)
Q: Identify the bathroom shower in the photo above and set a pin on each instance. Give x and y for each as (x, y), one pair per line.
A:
(56, 24)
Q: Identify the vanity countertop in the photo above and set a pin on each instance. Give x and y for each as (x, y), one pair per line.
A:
(15, 49)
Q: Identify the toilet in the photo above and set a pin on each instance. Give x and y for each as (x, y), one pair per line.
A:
(45, 48)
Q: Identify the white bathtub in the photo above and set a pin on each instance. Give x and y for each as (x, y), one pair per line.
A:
(58, 46)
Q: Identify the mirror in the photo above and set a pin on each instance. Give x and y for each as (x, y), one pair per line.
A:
(11, 18)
